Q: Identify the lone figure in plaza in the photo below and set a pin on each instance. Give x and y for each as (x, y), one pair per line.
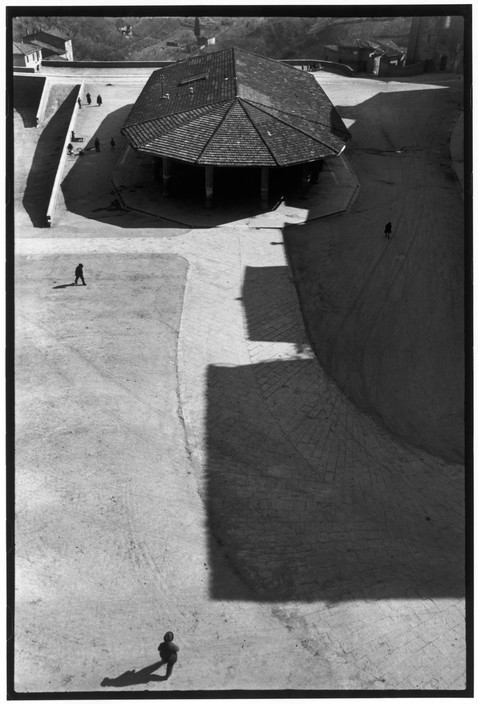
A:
(99, 100)
(168, 652)
(97, 145)
(88, 98)
(79, 274)
(112, 143)
(79, 102)
(388, 230)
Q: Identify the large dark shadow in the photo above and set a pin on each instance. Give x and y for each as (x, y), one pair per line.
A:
(132, 677)
(376, 529)
(309, 499)
(46, 161)
(27, 92)
(270, 310)
(88, 190)
(388, 324)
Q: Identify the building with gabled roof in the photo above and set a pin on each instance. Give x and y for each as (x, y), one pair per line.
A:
(232, 108)
(53, 45)
(26, 56)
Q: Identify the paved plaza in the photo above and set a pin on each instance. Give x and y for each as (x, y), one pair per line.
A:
(185, 462)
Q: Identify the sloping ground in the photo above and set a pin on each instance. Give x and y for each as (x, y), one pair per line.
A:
(391, 331)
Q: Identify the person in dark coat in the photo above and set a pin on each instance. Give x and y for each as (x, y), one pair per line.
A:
(79, 274)
(112, 143)
(79, 102)
(97, 145)
(99, 100)
(168, 652)
(88, 98)
(388, 230)
(70, 148)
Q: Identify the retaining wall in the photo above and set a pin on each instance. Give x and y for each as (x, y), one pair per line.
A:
(59, 173)
(107, 64)
(43, 101)
(410, 70)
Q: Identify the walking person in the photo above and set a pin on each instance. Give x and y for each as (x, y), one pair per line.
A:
(112, 143)
(88, 98)
(99, 100)
(97, 145)
(79, 274)
(388, 230)
(79, 102)
(168, 652)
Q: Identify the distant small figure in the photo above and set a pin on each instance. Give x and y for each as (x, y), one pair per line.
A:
(99, 100)
(88, 98)
(388, 230)
(70, 149)
(79, 274)
(79, 102)
(97, 145)
(72, 136)
(168, 652)
(112, 143)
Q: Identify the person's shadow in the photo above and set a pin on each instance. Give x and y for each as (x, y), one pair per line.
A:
(64, 285)
(131, 677)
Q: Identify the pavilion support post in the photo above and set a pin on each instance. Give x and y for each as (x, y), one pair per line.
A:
(315, 171)
(305, 180)
(166, 176)
(209, 180)
(264, 188)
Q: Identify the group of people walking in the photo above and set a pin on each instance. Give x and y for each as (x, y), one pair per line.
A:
(99, 100)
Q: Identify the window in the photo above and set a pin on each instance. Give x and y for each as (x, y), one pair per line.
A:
(193, 79)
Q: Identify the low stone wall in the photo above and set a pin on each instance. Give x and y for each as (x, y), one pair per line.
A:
(43, 101)
(107, 64)
(410, 70)
(23, 69)
(59, 173)
(320, 65)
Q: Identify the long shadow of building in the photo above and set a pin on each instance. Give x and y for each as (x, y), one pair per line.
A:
(46, 161)
(309, 498)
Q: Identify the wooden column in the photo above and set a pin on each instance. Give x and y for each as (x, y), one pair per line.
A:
(209, 176)
(305, 181)
(264, 187)
(166, 176)
(316, 169)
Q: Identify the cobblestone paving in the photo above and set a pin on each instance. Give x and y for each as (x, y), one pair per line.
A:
(353, 538)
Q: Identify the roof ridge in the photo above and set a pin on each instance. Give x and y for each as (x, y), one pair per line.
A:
(265, 108)
(242, 102)
(205, 108)
(297, 129)
(226, 113)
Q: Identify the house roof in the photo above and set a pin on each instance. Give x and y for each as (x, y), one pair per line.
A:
(385, 46)
(47, 40)
(235, 108)
(24, 49)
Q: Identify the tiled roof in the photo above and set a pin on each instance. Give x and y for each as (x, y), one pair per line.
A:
(231, 107)
(47, 39)
(24, 49)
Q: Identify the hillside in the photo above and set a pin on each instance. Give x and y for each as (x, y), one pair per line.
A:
(173, 38)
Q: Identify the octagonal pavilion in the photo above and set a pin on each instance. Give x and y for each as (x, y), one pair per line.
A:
(233, 108)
